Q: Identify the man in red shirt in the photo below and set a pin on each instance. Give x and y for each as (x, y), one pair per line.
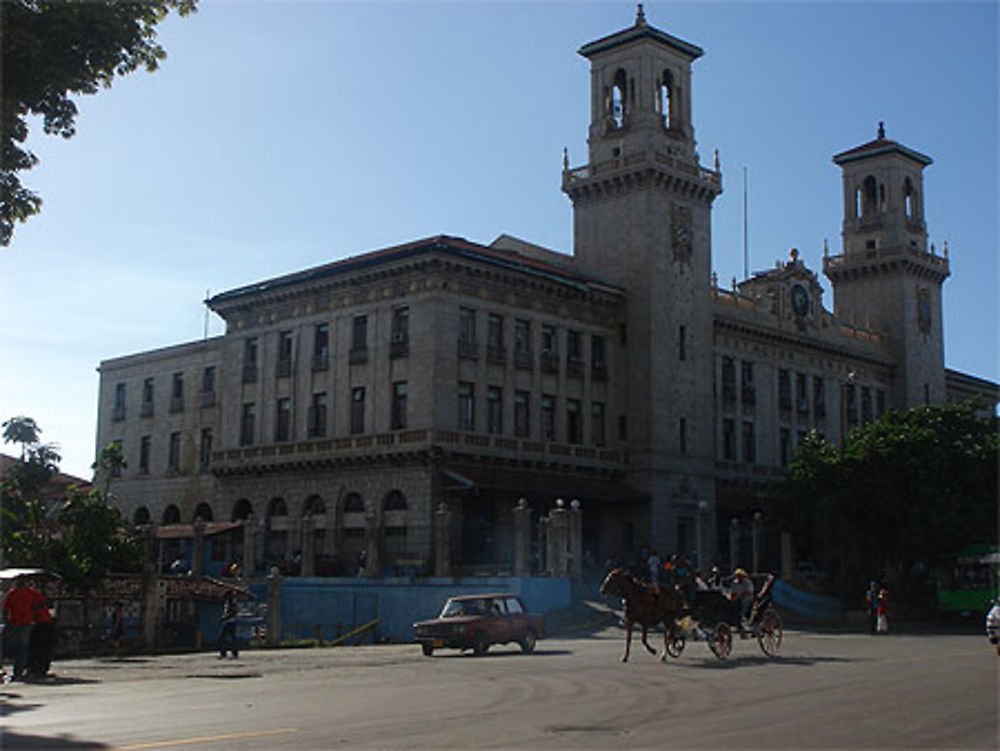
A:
(19, 608)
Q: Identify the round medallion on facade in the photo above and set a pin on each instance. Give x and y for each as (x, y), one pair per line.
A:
(800, 300)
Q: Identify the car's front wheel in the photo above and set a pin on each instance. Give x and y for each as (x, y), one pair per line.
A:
(427, 649)
(528, 642)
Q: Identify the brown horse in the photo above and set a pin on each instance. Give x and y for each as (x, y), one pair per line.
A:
(646, 605)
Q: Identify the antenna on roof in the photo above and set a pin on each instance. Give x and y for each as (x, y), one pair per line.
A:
(205, 332)
(746, 242)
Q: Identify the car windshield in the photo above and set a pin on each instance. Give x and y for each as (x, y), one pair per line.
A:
(454, 608)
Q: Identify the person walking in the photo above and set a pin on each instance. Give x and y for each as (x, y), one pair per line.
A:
(42, 643)
(871, 597)
(19, 606)
(227, 637)
(882, 612)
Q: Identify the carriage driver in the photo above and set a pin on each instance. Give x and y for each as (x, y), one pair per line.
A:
(741, 592)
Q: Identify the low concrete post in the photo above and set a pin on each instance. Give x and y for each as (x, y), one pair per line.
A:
(575, 540)
(198, 547)
(557, 535)
(308, 551)
(522, 538)
(150, 606)
(372, 564)
(274, 580)
(442, 540)
(249, 548)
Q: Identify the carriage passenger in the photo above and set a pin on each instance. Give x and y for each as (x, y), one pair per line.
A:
(741, 592)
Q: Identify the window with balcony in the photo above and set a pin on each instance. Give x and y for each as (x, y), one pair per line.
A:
(749, 443)
(548, 418)
(283, 367)
(574, 353)
(250, 359)
(728, 439)
(205, 449)
(398, 417)
(494, 410)
(819, 397)
(574, 421)
(550, 350)
(146, 409)
(208, 386)
(359, 340)
(495, 350)
(467, 346)
(522, 424)
(597, 423)
(466, 406)
(116, 467)
(748, 394)
(177, 393)
(316, 417)
(801, 394)
(728, 382)
(598, 358)
(523, 356)
(321, 347)
(283, 420)
(174, 453)
(358, 410)
(248, 418)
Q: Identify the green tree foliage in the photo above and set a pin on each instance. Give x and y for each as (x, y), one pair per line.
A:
(110, 462)
(51, 50)
(911, 488)
(79, 537)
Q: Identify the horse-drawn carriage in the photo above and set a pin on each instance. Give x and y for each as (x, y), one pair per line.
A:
(711, 616)
(714, 617)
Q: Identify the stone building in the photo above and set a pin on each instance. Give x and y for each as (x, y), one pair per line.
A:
(348, 402)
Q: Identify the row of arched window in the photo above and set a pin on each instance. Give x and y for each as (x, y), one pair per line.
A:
(313, 505)
(870, 200)
(620, 99)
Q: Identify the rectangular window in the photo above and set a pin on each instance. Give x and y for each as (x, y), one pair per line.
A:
(748, 394)
(728, 380)
(399, 335)
(494, 410)
(398, 417)
(316, 419)
(358, 409)
(682, 443)
(208, 380)
(728, 439)
(749, 443)
(467, 333)
(819, 397)
(851, 404)
(284, 364)
(784, 390)
(147, 398)
(359, 333)
(466, 406)
(784, 438)
(574, 353)
(205, 448)
(118, 411)
(550, 351)
(522, 424)
(866, 405)
(145, 444)
(248, 419)
(801, 394)
(496, 352)
(522, 336)
(116, 468)
(250, 360)
(321, 347)
(283, 420)
(597, 423)
(174, 453)
(682, 342)
(548, 418)
(598, 360)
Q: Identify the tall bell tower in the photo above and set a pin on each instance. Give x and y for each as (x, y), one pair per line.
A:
(887, 279)
(642, 219)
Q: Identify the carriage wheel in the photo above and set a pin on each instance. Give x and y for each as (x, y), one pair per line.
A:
(769, 632)
(675, 646)
(721, 640)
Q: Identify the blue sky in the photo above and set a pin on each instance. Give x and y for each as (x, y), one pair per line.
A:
(279, 135)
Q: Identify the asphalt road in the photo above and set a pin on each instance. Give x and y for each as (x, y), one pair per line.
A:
(843, 691)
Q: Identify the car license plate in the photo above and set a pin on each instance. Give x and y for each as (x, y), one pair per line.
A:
(436, 643)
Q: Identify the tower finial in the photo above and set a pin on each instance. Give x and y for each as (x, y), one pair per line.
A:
(881, 130)
(640, 16)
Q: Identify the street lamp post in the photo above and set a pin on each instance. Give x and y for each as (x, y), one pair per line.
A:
(734, 542)
(699, 531)
(844, 386)
(757, 517)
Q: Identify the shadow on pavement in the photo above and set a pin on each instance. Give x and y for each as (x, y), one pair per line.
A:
(10, 739)
(736, 662)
